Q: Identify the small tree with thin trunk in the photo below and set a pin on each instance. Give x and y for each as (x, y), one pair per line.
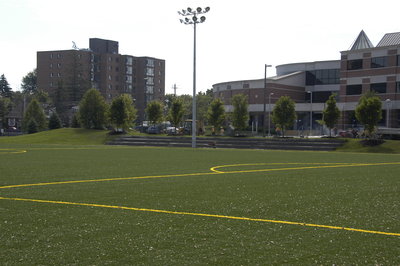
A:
(5, 89)
(176, 112)
(34, 112)
(122, 112)
(369, 112)
(284, 114)
(216, 113)
(54, 121)
(93, 110)
(240, 115)
(331, 113)
(154, 111)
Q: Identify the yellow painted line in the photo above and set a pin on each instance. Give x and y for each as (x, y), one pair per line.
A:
(341, 165)
(213, 169)
(104, 180)
(11, 151)
(205, 215)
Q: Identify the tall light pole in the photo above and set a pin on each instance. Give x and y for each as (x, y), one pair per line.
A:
(310, 92)
(269, 114)
(265, 91)
(191, 18)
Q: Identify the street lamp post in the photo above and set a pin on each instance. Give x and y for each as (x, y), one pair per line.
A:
(310, 92)
(269, 114)
(191, 18)
(265, 91)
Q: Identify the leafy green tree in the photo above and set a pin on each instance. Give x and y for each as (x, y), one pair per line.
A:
(54, 121)
(5, 108)
(154, 111)
(176, 112)
(75, 121)
(240, 115)
(331, 113)
(369, 112)
(122, 112)
(216, 113)
(5, 89)
(32, 126)
(284, 114)
(35, 112)
(93, 110)
(203, 101)
(29, 82)
(187, 106)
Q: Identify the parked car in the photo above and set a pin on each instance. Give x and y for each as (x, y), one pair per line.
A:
(154, 130)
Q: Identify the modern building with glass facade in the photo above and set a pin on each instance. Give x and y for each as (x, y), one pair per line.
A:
(67, 74)
(361, 69)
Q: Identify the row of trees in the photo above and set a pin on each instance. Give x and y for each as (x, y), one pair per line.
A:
(368, 112)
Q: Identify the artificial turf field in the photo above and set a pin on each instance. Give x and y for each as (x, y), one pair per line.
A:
(169, 206)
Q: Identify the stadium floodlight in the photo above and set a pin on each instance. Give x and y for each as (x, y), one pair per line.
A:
(191, 18)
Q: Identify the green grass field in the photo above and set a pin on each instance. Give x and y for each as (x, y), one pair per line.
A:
(94, 205)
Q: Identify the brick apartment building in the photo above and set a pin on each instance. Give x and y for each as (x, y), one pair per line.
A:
(67, 74)
(360, 69)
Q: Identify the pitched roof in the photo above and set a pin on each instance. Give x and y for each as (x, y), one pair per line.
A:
(362, 42)
(390, 39)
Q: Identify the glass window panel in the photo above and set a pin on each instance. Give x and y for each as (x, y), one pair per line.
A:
(378, 87)
(377, 62)
(354, 89)
(354, 64)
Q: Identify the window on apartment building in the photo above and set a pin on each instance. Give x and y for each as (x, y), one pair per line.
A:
(58, 74)
(58, 55)
(150, 89)
(354, 64)
(109, 77)
(377, 62)
(228, 87)
(150, 62)
(246, 85)
(59, 65)
(354, 89)
(51, 56)
(150, 81)
(150, 71)
(129, 60)
(129, 70)
(378, 87)
(51, 65)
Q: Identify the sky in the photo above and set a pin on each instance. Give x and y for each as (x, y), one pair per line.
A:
(234, 43)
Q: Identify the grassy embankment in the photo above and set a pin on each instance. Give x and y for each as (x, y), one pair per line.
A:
(73, 136)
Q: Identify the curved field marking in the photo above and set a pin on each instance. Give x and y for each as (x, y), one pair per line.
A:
(318, 166)
(11, 151)
(105, 180)
(213, 172)
(205, 215)
(214, 169)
